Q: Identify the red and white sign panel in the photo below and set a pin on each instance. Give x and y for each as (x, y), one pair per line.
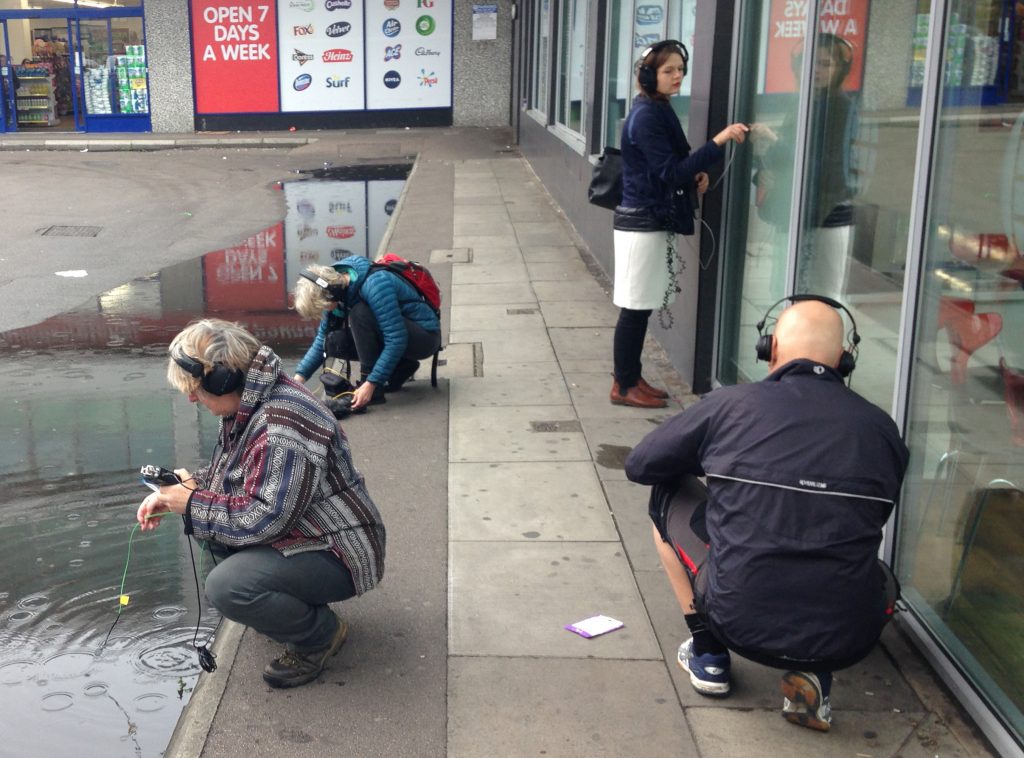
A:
(234, 52)
(787, 21)
(252, 273)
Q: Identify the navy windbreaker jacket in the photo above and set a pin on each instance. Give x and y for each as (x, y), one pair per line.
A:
(802, 475)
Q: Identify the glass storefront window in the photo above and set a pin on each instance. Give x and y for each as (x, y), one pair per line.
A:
(114, 66)
(20, 5)
(760, 188)
(541, 53)
(859, 176)
(632, 27)
(572, 59)
(960, 535)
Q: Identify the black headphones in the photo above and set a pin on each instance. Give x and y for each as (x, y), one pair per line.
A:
(647, 75)
(335, 292)
(220, 381)
(847, 361)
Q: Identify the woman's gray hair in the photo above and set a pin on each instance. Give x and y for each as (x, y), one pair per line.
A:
(210, 341)
(311, 300)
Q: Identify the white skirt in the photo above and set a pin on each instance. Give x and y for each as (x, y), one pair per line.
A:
(641, 269)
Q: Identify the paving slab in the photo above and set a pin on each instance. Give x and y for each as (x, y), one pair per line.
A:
(511, 384)
(496, 317)
(750, 733)
(550, 253)
(482, 241)
(489, 273)
(591, 391)
(542, 233)
(514, 598)
(611, 440)
(495, 255)
(587, 289)
(489, 294)
(563, 709)
(579, 313)
(505, 501)
(559, 271)
(628, 504)
(509, 434)
(520, 346)
(582, 342)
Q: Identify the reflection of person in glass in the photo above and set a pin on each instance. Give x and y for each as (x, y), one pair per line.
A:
(661, 182)
(376, 317)
(831, 184)
(281, 505)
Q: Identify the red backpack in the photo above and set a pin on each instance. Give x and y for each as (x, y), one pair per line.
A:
(414, 273)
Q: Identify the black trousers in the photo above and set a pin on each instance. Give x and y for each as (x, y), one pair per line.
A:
(628, 345)
(368, 340)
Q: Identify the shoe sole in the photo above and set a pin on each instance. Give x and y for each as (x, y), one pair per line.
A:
(803, 694)
(710, 689)
(283, 684)
(625, 402)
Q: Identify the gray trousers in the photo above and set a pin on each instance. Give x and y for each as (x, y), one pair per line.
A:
(284, 598)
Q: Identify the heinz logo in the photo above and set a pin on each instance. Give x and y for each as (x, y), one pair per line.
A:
(337, 55)
(334, 5)
(302, 31)
(339, 29)
(391, 27)
(341, 232)
(302, 82)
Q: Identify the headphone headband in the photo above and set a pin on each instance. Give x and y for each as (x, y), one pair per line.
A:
(646, 75)
(334, 291)
(848, 358)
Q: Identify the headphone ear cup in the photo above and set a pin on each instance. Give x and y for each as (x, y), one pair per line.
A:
(764, 347)
(847, 363)
(221, 380)
(647, 79)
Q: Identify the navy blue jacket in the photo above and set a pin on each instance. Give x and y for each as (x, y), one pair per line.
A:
(392, 300)
(802, 475)
(657, 163)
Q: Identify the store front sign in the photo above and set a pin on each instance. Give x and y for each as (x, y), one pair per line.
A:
(290, 56)
(235, 55)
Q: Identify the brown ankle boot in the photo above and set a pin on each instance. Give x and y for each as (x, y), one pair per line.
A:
(634, 397)
(649, 390)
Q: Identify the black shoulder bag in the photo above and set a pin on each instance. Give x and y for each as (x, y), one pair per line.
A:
(605, 188)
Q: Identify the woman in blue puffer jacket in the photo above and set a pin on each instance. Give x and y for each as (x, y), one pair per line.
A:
(376, 317)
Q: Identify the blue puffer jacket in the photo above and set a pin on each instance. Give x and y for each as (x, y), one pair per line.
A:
(392, 299)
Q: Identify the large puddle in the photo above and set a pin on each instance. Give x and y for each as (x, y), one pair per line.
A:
(85, 405)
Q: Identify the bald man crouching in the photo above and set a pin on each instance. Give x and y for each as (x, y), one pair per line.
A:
(777, 559)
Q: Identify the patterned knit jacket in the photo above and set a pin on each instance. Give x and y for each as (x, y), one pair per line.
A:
(283, 476)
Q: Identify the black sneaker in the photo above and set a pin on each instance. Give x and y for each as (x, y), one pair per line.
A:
(341, 406)
(404, 371)
(294, 669)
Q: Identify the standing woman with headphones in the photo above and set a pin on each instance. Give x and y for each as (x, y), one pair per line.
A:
(661, 183)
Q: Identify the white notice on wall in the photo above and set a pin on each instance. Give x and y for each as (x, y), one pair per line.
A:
(485, 21)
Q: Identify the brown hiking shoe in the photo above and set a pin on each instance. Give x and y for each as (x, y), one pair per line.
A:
(293, 668)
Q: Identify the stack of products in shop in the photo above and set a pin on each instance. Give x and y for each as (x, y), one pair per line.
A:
(956, 53)
(986, 60)
(920, 50)
(132, 89)
(97, 90)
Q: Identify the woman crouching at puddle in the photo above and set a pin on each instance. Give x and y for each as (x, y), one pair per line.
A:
(284, 509)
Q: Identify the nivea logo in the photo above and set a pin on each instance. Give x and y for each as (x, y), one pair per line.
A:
(392, 79)
(302, 81)
(334, 5)
(389, 206)
(339, 29)
(391, 27)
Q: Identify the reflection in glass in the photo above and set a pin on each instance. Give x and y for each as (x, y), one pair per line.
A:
(960, 534)
(758, 204)
(571, 64)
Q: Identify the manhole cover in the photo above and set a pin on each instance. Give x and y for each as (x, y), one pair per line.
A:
(72, 231)
(556, 426)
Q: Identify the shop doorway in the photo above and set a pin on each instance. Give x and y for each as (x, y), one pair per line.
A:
(74, 70)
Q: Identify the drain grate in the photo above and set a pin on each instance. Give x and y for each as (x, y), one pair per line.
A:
(556, 426)
(72, 231)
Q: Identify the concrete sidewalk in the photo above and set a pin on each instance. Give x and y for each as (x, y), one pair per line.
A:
(509, 516)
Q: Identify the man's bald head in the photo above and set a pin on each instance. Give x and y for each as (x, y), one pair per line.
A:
(808, 329)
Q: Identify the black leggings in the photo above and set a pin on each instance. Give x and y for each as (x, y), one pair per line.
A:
(627, 346)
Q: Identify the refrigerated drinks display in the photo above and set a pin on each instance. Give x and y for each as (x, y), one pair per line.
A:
(36, 104)
(130, 79)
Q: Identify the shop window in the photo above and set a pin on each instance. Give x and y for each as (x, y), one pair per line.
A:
(961, 535)
(572, 54)
(541, 57)
(634, 25)
(20, 5)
